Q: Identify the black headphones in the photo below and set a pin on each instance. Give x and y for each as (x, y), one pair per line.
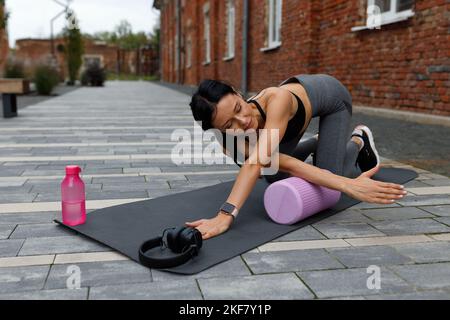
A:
(185, 241)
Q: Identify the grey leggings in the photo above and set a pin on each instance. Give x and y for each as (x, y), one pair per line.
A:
(334, 151)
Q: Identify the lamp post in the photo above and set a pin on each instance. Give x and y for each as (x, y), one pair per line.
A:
(66, 9)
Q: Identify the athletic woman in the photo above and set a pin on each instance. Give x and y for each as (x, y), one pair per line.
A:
(349, 158)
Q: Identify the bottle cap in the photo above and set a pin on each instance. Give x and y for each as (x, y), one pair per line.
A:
(73, 169)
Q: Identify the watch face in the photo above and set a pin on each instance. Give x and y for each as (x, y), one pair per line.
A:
(227, 207)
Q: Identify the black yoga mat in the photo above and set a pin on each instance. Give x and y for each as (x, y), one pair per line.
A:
(125, 227)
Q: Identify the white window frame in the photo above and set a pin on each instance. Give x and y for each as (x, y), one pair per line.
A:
(274, 38)
(231, 23)
(207, 33)
(388, 17)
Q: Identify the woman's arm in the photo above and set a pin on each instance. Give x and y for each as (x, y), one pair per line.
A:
(362, 188)
(278, 111)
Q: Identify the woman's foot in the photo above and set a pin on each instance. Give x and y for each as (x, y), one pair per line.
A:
(368, 155)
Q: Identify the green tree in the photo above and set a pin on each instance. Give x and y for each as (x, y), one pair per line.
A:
(123, 36)
(4, 15)
(73, 50)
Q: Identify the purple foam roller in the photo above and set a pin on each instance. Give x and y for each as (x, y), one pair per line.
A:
(293, 199)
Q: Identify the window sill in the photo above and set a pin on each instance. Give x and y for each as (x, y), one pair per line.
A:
(400, 17)
(228, 58)
(205, 63)
(273, 46)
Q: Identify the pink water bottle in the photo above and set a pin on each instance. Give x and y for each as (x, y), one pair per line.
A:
(73, 197)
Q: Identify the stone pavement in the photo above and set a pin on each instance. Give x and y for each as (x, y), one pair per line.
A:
(121, 137)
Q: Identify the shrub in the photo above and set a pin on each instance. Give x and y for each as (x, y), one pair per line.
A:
(14, 69)
(45, 78)
(73, 49)
(94, 75)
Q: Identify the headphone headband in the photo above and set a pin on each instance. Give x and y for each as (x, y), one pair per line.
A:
(176, 260)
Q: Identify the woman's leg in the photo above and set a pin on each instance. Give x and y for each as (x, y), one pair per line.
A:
(336, 151)
(307, 147)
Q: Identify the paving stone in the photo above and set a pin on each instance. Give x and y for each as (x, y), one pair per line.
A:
(40, 230)
(305, 233)
(118, 180)
(408, 227)
(17, 197)
(48, 197)
(366, 256)
(28, 218)
(116, 195)
(443, 211)
(52, 245)
(346, 216)
(136, 186)
(99, 274)
(347, 230)
(12, 183)
(444, 220)
(367, 205)
(232, 267)
(425, 276)
(425, 252)
(160, 290)
(103, 171)
(284, 286)
(6, 230)
(16, 279)
(58, 294)
(437, 182)
(287, 261)
(142, 170)
(416, 184)
(10, 248)
(414, 201)
(404, 213)
(352, 282)
(418, 295)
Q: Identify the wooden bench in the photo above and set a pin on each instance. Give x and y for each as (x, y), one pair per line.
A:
(9, 88)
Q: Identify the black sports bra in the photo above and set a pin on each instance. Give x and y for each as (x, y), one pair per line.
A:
(295, 125)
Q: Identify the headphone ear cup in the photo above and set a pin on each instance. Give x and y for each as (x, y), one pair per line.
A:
(173, 239)
(191, 236)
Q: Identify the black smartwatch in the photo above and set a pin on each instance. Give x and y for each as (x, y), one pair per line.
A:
(229, 209)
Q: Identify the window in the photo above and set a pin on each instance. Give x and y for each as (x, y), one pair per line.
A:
(189, 52)
(206, 34)
(230, 29)
(381, 12)
(274, 24)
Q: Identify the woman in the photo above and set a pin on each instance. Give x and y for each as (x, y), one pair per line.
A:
(289, 108)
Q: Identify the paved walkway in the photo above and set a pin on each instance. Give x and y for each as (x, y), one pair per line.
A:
(120, 136)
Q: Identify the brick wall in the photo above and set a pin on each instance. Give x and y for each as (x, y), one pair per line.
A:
(404, 65)
(4, 46)
(33, 52)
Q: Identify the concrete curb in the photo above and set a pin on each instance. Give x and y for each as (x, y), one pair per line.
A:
(404, 115)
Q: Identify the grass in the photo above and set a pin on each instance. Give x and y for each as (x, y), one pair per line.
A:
(130, 77)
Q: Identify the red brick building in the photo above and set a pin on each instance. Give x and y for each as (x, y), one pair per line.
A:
(4, 46)
(32, 52)
(389, 53)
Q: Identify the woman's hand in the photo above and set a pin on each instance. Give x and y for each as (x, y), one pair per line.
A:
(365, 189)
(212, 227)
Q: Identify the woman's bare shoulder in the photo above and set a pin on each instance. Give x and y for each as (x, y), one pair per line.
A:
(265, 93)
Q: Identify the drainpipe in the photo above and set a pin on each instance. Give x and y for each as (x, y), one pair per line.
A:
(178, 15)
(244, 49)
